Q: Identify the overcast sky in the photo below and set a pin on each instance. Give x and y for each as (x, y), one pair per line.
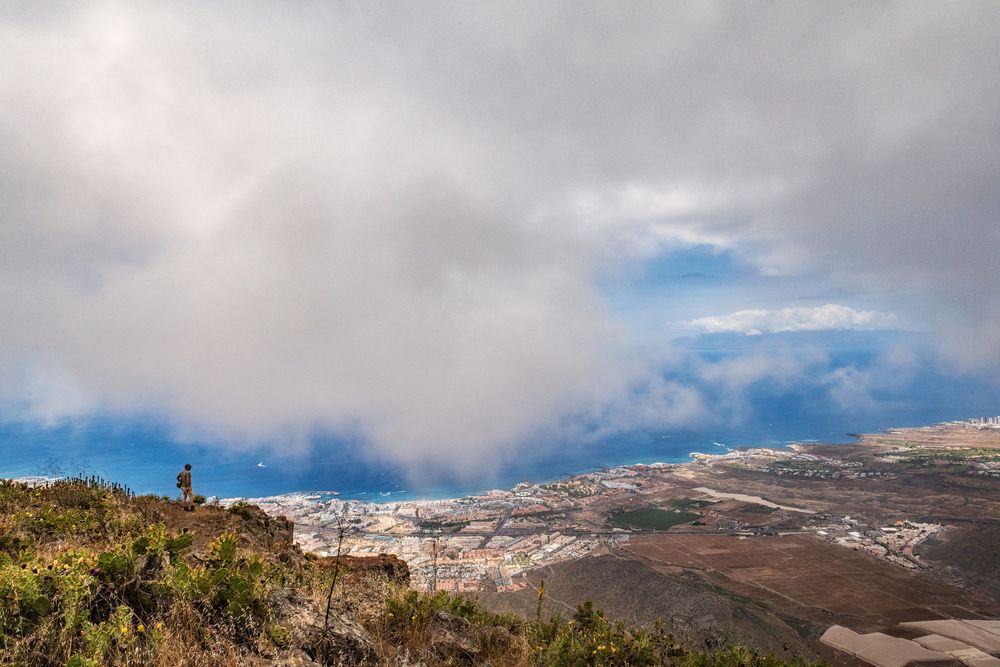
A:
(447, 226)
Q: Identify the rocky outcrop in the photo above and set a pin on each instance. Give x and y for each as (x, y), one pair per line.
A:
(340, 641)
(452, 639)
(260, 526)
(388, 565)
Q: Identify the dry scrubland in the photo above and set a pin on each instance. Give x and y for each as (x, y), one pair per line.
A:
(758, 547)
(90, 577)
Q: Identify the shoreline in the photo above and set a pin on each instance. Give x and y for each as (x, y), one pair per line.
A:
(491, 540)
(495, 537)
(378, 498)
(693, 458)
(148, 464)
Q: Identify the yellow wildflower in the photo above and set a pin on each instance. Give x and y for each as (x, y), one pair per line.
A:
(124, 629)
(140, 628)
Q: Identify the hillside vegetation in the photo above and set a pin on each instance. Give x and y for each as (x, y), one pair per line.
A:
(90, 576)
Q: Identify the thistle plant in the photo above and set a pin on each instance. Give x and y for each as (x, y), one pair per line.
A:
(541, 597)
(341, 528)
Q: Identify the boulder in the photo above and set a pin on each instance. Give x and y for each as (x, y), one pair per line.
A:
(452, 639)
(342, 642)
(389, 565)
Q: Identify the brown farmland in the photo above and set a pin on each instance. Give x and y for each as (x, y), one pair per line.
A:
(811, 579)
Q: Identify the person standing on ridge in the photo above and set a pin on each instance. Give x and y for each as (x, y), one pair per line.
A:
(184, 482)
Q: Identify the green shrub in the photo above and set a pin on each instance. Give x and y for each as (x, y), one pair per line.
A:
(243, 509)
(279, 635)
(412, 608)
(586, 639)
(227, 589)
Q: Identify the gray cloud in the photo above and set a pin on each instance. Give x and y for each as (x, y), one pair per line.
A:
(268, 218)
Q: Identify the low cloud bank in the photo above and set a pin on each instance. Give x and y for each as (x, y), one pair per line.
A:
(756, 321)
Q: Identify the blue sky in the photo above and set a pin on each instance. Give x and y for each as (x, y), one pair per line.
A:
(449, 231)
(666, 293)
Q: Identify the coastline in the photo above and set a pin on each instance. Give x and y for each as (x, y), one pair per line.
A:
(375, 497)
(490, 541)
(499, 535)
(146, 456)
(386, 498)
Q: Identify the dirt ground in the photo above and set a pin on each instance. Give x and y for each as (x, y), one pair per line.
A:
(811, 579)
(253, 526)
(934, 437)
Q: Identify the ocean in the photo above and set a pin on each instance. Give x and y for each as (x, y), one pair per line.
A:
(144, 453)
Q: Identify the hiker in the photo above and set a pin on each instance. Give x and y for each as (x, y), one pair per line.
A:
(184, 483)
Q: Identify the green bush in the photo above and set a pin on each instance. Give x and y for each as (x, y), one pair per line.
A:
(412, 608)
(279, 635)
(243, 509)
(590, 639)
(586, 639)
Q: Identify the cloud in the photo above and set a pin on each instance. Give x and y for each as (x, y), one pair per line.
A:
(651, 403)
(757, 321)
(392, 220)
(188, 232)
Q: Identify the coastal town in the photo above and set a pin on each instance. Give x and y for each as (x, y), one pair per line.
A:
(487, 542)
(466, 544)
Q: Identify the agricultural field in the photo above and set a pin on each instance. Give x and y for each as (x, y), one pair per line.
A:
(813, 580)
(651, 518)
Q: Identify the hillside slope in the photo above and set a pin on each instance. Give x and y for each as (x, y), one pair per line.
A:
(698, 614)
(90, 576)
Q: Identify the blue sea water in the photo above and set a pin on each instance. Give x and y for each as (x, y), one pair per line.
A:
(144, 453)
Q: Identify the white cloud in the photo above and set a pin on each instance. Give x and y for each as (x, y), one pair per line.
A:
(368, 216)
(758, 320)
(652, 403)
(642, 220)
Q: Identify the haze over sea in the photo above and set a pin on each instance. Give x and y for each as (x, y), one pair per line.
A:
(145, 453)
